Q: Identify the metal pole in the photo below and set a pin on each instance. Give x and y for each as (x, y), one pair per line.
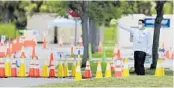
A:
(75, 42)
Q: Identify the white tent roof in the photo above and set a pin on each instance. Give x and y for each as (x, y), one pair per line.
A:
(63, 22)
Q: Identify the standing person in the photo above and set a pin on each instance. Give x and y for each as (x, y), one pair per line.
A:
(142, 43)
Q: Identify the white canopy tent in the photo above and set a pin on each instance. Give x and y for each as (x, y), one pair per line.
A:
(64, 25)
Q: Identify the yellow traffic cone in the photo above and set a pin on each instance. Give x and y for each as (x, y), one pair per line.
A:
(66, 74)
(45, 69)
(22, 69)
(7, 67)
(125, 72)
(159, 69)
(60, 70)
(73, 68)
(108, 70)
(99, 71)
(78, 74)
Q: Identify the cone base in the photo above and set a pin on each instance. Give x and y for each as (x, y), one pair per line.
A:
(52, 73)
(108, 73)
(88, 74)
(159, 72)
(118, 74)
(45, 71)
(78, 76)
(2, 72)
(125, 72)
(13, 72)
(99, 74)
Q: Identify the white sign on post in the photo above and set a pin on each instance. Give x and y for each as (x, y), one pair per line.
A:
(60, 55)
(78, 50)
(3, 38)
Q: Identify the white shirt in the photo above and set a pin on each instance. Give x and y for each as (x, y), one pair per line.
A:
(142, 40)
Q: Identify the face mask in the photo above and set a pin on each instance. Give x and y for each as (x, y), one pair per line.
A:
(140, 27)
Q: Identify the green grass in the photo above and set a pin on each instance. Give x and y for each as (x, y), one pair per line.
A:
(108, 53)
(108, 40)
(132, 81)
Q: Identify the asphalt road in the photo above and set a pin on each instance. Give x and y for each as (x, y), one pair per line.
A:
(28, 82)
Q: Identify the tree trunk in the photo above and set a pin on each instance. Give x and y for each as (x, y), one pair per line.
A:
(85, 38)
(159, 17)
(93, 36)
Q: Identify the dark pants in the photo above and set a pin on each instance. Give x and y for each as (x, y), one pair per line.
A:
(139, 59)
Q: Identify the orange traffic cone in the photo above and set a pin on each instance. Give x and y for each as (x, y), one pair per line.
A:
(51, 58)
(167, 54)
(2, 69)
(72, 48)
(31, 69)
(100, 47)
(14, 68)
(60, 43)
(22, 53)
(118, 69)
(173, 55)
(44, 42)
(37, 68)
(8, 53)
(33, 52)
(88, 73)
(52, 67)
(80, 42)
(116, 52)
(52, 71)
